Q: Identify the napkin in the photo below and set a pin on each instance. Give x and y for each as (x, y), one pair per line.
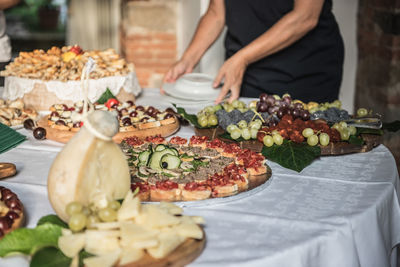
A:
(9, 138)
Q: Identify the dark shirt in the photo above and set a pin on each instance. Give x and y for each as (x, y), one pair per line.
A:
(309, 69)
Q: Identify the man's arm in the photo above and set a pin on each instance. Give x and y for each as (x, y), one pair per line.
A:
(208, 29)
(4, 4)
(290, 28)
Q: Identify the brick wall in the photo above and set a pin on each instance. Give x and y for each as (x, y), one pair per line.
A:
(378, 74)
(149, 38)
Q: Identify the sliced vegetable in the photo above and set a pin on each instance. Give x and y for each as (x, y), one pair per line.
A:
(144, 157)
(160, 147)
(170, 162)
(155, 158)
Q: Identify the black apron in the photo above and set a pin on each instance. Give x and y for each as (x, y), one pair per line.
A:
(310, 69)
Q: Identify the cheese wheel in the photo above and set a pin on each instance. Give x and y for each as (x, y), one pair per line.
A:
(90, 168)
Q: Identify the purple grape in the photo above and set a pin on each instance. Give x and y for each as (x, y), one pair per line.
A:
(287, 99)
(270, 100)
(272, 110)
(298, 106)
(263, 107)
(279, 113)
(296, 113)
(278, 103)
(263, 97)
(285, 104)
(289, 111)
(272, 123)
(305, 115)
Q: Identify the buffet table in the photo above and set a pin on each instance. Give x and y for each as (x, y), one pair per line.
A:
(339, 211)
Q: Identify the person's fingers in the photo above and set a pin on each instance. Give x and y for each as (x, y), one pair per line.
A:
(162, 91)
(218, 78)
(167, 76)
(235, 91)
(223, 93)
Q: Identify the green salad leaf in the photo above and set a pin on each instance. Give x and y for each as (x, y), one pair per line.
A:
(105, 96)
(198, 163)
(291, 155)
(28, 241)
(50, 257)
(192, 118)
(52, 218)
(393, 126)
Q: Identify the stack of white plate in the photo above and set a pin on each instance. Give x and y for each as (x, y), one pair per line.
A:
(190, 89)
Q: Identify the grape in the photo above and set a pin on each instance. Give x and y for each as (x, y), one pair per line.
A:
(253, 133)
(262, 107)
(91, 219)
(115, 205)
(313, 110)
(278, 139)
(235, 103)
(263, 97)
(77, 222)
(274, 132)
(345, 134)
(273, 109)
(253, 104)
(279, 113)
(231, 127)
(304, 115)
(343, 124)
(243, 109)
(277, 97)
(209, 109)
(285, 95)
(242, 104)
(312, 140)
(73, 207)
(336, 126)
(272, 123)
(254, 125)
(285, 104)
(212, 120)
(352, 130)
(235, 134)
(225, 106)
(289, 111)
(86, 211)
(287, 99)
(323, 108)
(203, 121)
(361, 112)
(324, 139)
(242, 124)
(307, 132)
(217, 107)
(107, 215)
(246, 133)
(229, 109)
(268, 141)
(278, 103)
(298, 105)
(296, 113)
(337, 104)
(270, 100)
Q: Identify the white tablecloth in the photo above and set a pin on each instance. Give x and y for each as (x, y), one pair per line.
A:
(339, 211)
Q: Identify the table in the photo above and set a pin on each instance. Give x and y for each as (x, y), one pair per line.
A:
(339, 211)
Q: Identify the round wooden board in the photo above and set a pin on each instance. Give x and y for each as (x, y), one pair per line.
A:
(339, 148)
(64, 136)
(17, 222)
(7, 170)
(181, 256)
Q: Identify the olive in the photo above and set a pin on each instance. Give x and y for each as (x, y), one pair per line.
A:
(133, 114)
(39, 133)
(54, 114)
(76, 124)
(123, 111)
(130, 103)
(12, 203)
(29, 124)
(155, 113)
(168, 115)
(140, 108)
(6, 194)
(5, 223)
(170, 110)
(126, 122)
(60, 122)
(150, 110)
(12, 215)
(144, 119)
(65, 107)
(164, 165)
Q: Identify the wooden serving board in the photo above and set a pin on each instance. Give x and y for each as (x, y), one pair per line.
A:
(64, 136)
(339, 148)
(181, 256)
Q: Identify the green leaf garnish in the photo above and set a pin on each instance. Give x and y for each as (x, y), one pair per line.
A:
(50, 257)
(292, 155)
(393, 126)
(192, 118)
(52, 218)
(83, 254)
(168, 174)
(28, 241)
(105, 96)
(356, 140)
(198, 163)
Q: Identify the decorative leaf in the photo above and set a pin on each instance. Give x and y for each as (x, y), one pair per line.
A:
(393, 126)
(356, 140)
(28, 241)
(292, 155)
(369, 131)
(189, 117)
(105, 96)
(52, 218)
(83, 255)
(50, 257)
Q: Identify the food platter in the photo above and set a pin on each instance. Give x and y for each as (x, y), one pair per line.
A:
(63, 136)
(338, 148)
(11, 211)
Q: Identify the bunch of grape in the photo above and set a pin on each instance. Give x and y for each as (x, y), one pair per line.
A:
(345, 130)
(207, 118)
(273, 104)
(314, 106)
(314, 137)
(81, 217)
(245, 130)
(273, 138)
(331, 115)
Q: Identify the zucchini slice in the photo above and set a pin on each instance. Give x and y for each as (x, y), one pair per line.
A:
(174, 150)
(155, 158)
(170, 162)
(144, 157)
(160, 147)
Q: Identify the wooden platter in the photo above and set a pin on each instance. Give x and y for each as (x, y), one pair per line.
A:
(187, 252)
(340, 148)
(63, 136)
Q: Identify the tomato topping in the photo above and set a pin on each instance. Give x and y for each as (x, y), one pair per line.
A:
(111, 102)
(196, 140)
(177, 140)
(143, 187)
(195, 186)
(156, 139)
(133, 141)
(165, 185)
(216, 143)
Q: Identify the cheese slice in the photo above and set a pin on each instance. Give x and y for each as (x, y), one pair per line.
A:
(105, 260)
(171, 208)
(101, 242)
(189, 230)
(168, 241)
(129, 255)
(158, 218)
(71, 245)
(131, 233)
(130, 207)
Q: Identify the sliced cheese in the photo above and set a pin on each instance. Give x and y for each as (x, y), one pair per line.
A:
(158, 218)
(129, 255)
(171, 208)
(189, 230)
(101, 242)
(71, 245)
(130, 207)
(131, 232)
(105, 260)
(168, 242)
(106, 225)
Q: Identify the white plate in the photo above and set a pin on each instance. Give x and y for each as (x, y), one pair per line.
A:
(185, 102)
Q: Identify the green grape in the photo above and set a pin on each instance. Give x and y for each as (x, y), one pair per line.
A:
(242, 124)
(217, 107)
(235, 134)
(312, 140)
(91, 219)
(274, 132)
(268, 141)
(243, 109)
(115, 205)
(336, 126)
(343, 125)
(277, 97)
(258, 121)
(324, 139)
(246, 133)
(345, 134)
(254, 125)
(74, 207)
(361, 112)
(77, 222)
(278, 139)
(285, 95)
(86, 211)
(307, 132)
(313, 110)
(209, 109)
(337, 104)
(323, 108)
(231, 127)
(203, 121)
(352, 129)
(253, 104)
(229, 109)
(235, 103)
(212, 120)
(107, 215)
(225, 106)
(253, 133)
(242, 104)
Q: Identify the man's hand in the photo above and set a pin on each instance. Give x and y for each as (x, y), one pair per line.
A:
(231, 72)
(177, 70)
